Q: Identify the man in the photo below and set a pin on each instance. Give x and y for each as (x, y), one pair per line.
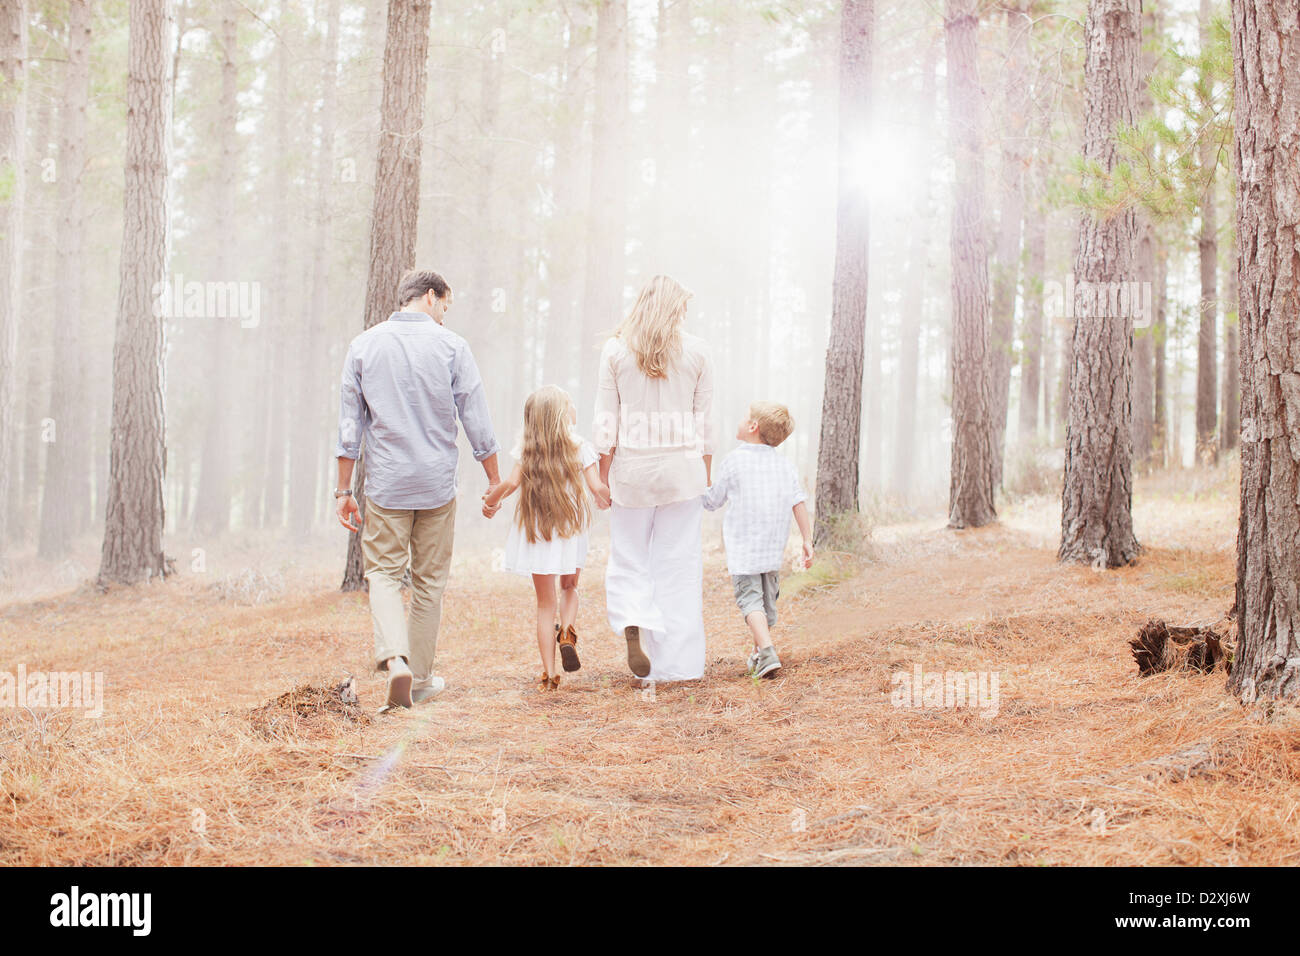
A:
(405, 382)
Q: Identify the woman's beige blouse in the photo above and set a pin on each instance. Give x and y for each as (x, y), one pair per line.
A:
(657, 428)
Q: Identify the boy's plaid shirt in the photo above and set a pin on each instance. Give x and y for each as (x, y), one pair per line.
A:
(762, 486)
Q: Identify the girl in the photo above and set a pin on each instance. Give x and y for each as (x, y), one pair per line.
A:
(549, 536)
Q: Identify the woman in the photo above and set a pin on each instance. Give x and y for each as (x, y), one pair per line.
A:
(653, 431)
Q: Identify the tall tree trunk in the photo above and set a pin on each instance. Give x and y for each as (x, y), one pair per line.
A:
(1266, 61)
(1230, 427)
(304, 464)
(489, 291)
(672, 140)
(13, 121)
(66, 500)
(913, 304)
(1159, 337)
(1144, 354)
(133, 526)
(970, 490)
(394, 216)
(837, 452)
(1031, 359)
(1049, 377)
(1065, 362)
(1143, 338)
(602, 301)
(1096, 501)
(1010, 219)
(212, 505)
(35, 337)
(872, 443)
(564, 253)
(280, 443)
(1207, 339)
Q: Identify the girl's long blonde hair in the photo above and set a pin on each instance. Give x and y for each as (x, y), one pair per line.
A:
(653, 329)
(552, 495)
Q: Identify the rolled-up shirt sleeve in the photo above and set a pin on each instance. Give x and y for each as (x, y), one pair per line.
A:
(703, 406)
(604, 432)
(797, 494)
(353, 413)
(472, 405)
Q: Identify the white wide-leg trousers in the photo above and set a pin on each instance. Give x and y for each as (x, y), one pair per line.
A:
(655, 580)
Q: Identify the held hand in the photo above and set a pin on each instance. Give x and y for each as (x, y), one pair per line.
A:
(601, 495)
(349, 514)
(490, 509)
(807, 554)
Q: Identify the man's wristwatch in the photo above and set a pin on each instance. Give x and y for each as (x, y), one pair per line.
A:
(343, 493)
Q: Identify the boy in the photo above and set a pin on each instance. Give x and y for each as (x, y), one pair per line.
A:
(764, 490)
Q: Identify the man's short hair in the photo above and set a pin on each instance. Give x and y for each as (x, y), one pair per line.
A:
(416, 282)
(774, 422)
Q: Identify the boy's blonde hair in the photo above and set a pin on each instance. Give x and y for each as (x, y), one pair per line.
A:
(774, 422)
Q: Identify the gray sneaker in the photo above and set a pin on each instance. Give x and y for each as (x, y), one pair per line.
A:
(427, 689)
(750, 661)
(766, 662)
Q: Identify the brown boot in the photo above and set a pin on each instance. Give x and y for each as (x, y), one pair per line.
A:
(568, 642)
(636, 657)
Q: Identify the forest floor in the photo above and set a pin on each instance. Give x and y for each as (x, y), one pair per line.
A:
(1083, 763)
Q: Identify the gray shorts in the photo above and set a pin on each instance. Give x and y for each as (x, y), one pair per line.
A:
(758, 592)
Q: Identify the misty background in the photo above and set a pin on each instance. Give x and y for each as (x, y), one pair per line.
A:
(721, 171)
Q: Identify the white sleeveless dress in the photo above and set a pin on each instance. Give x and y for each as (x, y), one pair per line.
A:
(552, 556)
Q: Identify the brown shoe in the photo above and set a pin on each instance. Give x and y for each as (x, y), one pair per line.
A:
(568, 642)
(636, 657)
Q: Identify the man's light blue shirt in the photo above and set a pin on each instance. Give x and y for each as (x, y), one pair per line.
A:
(405, 381)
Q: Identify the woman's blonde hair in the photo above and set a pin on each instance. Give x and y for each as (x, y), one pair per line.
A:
(653, 329)
(552, 495)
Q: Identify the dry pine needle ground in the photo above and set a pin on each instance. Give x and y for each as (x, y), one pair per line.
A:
(226, 738)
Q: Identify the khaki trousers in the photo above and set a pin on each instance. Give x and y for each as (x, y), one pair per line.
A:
(389, 541)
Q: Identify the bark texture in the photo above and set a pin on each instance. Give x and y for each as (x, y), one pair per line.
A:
(1159, 338)
(1144, 338)
(395, 211)
(1096, 501)
(1230, 425)
(1031, 358)
(841, 425)
(1207, 338)
(1011, 201)
(133, 526)
(1266, 58)
(970, 494)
